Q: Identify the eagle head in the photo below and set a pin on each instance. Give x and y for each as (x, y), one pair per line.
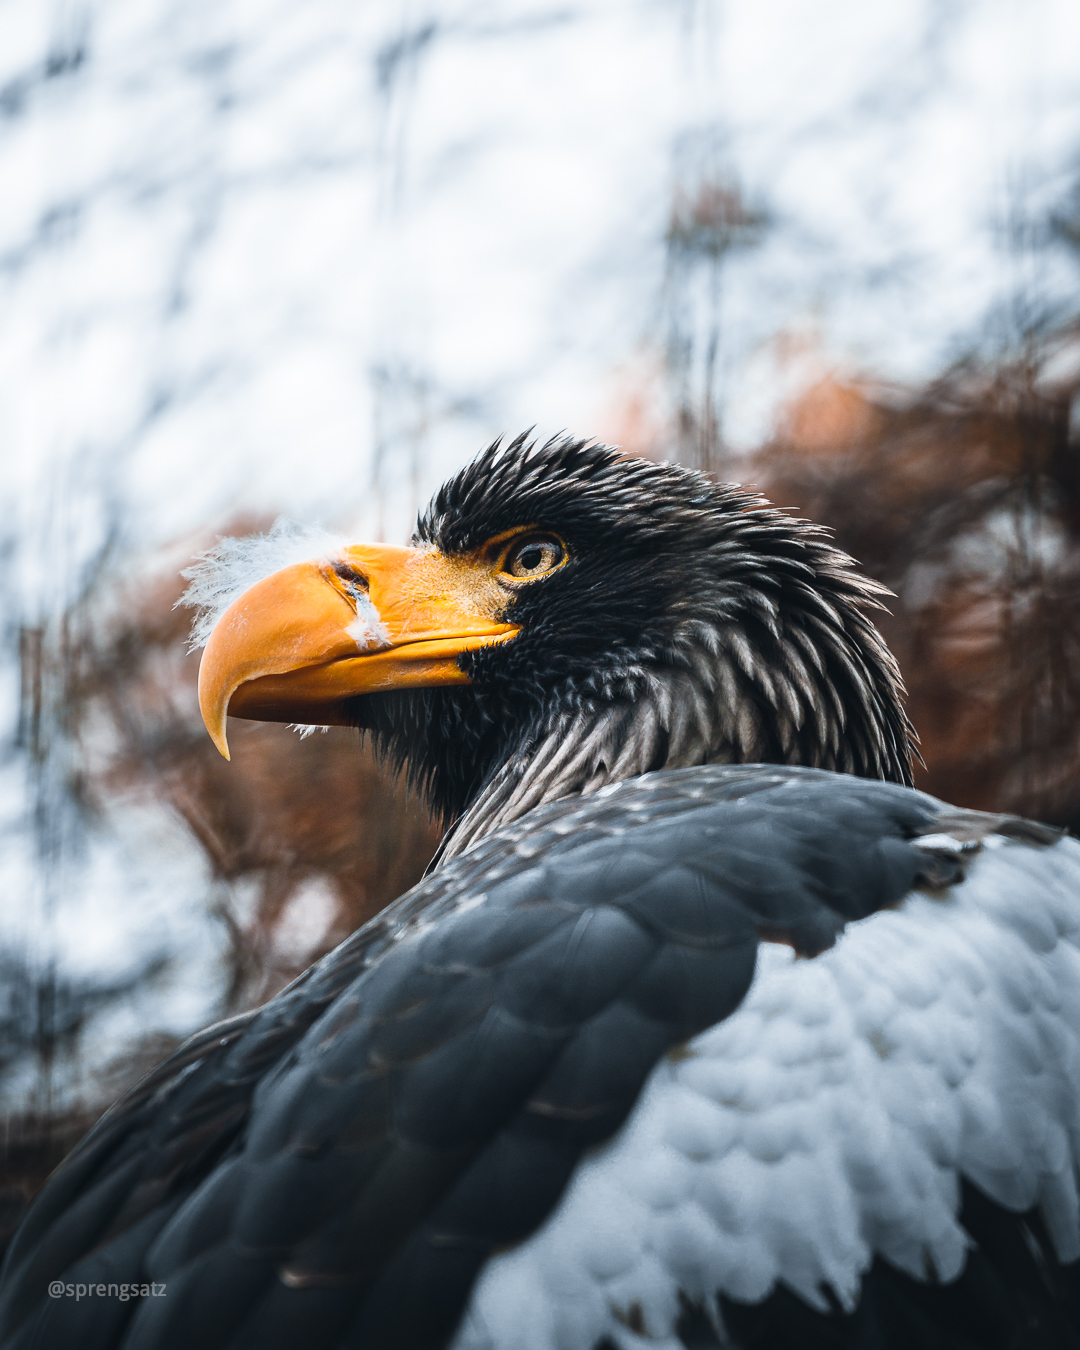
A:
(568, 616)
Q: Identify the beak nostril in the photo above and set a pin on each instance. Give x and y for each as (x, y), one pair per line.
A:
(353, 579)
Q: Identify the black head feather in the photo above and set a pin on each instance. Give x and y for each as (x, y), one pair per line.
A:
(693, 623)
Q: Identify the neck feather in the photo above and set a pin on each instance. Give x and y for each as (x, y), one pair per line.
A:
(820, 704)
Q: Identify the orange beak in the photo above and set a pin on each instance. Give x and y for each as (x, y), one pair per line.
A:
(300, 643)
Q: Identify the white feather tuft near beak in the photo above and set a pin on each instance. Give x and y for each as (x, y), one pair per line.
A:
(223, 573)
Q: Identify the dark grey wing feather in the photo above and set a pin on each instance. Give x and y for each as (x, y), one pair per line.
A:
(334, 1168)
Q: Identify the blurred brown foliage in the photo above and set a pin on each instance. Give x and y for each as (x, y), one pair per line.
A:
(306, 839)
(964, 499)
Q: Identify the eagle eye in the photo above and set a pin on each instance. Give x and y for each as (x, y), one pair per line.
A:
(534, 556)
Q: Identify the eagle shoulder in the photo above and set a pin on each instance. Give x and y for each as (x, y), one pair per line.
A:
(836, 1118)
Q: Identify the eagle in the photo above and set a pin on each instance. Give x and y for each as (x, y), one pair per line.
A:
(705, 1028)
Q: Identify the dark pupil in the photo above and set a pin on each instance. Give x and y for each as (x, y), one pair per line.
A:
(531, 557)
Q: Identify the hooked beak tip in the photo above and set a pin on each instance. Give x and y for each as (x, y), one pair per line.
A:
(216, 728)
(214, 707)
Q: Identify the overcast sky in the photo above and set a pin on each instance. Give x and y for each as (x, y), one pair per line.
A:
(266, 254)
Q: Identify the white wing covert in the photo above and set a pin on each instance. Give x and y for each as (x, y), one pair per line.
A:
(828, 1121)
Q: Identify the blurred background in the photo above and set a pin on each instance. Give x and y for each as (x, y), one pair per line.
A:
(266, 258)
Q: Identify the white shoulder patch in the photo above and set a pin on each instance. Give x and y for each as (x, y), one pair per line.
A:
(827, 1120)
